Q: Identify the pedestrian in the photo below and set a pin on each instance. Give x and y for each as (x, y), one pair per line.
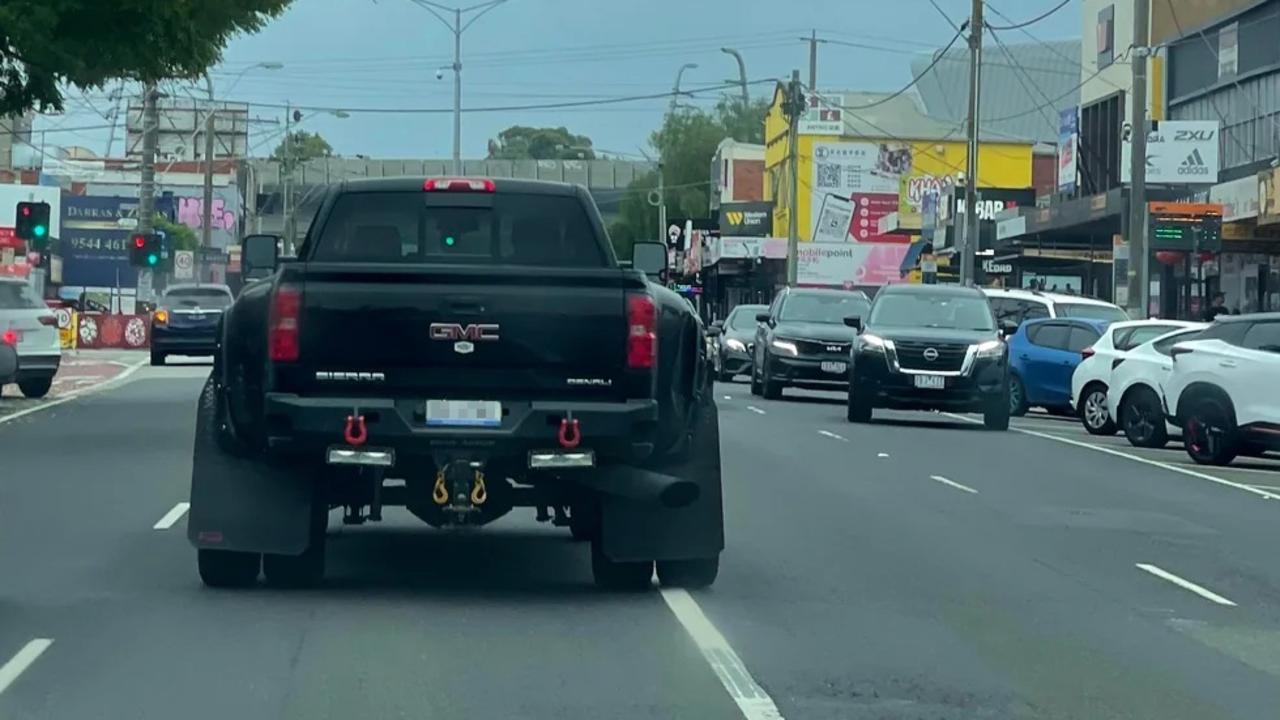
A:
(1219, 307)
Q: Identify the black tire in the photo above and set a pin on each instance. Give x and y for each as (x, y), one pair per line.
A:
(157, 358)
(584, 522)
(1017, 397)
(1209, 432)
(35, 388)
(756, 389)
(996, 414)
(725, 376)
(619, 576)
(1092, 410)
(227, 569)
(689, 574)
(1142, 419)
(769, 388)
(859, 408)
(307, 569)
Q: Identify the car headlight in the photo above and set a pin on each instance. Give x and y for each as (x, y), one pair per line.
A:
(785, 346)
(874, 343)
(735, 344)
(989, 349)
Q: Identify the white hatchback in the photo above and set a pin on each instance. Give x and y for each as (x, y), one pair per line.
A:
(1092, 377)
(24, 318)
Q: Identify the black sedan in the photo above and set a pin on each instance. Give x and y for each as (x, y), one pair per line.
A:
(736, 341)
(186, 321)
(802, 341)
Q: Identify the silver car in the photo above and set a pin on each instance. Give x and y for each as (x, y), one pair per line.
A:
(23, 317)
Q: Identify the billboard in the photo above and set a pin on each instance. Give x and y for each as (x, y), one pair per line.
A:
(1068, 138)
(95, 233)
(1179, 152)
(844, 264)
(746, 219)
(854, 184)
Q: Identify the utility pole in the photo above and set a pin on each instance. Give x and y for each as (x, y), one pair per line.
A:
(1139, 303)
(147, 188)
(287, 180)
(972, 226)
(662, 206)
(813, 61)
(206, 217)
(793, 108)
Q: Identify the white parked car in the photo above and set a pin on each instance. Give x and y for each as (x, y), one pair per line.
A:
(1013, 307)
(1224, 388)
(1092, 377)
(1135, 398)
(35, 328)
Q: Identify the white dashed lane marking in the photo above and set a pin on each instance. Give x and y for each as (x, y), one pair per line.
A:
(833, 436)
(20, 662)
(172, 517)
(755, 410)
(952, 483)
(1185, 584)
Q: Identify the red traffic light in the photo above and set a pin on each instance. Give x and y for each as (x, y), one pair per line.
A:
(139, 241)
(26, 210)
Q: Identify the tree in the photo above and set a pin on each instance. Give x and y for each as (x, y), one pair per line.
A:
(530, 143)
(46, 45)
(304, 146)
(180, 236)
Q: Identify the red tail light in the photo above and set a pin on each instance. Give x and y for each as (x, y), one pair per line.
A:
(10, 337)
(459, 185)
(642, 332)
(282, 326)
(1086, 353)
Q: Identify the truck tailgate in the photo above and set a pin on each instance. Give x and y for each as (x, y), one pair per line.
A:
(463, 332)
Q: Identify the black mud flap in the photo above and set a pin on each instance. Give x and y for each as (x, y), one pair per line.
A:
(240, 499)
(648, 531)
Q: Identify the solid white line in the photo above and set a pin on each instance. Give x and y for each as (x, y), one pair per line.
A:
(76, 393)
(952, 483)
(750, 698)
(882, 455)
(832, 435)
(1136, 458)
(755, 409)
(20, 662)
(172, 516)
(1185, 584)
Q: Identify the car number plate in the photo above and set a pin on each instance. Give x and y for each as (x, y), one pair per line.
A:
(931, 382)
(464, 413)
(835, 367)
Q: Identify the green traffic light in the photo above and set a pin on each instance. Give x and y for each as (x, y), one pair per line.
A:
(450, 241)
(152, 259)
(39, 231)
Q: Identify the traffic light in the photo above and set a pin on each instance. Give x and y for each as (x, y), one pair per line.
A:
(144, 250)
(32, 224)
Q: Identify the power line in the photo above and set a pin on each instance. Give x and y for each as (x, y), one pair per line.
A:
(1065, 57)
(936, 59)
(1030, 94)
(1032, 21)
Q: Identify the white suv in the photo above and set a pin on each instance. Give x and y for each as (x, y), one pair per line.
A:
(1224, 388)
(1135, 396)
(1092, 377)
(24, 318)
(1013, 307)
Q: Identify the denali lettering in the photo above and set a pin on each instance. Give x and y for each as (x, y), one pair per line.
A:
(589, 382)
(454, 332)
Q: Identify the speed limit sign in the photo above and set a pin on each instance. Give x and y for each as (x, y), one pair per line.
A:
(64, 318)
(183, 262)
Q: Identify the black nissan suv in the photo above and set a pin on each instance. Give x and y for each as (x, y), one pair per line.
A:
(802, 341)
(929, 347)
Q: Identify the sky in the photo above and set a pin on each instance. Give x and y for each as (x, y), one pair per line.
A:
(362, 55)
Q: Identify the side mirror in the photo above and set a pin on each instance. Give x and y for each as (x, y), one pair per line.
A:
(762, 317)
(1177, 350)
(1008, 329)
(714, 331)
(854, 322)
(259, 255)
(718, 324)
(649, 258)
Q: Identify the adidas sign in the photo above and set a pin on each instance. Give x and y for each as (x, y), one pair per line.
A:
(1193, 165)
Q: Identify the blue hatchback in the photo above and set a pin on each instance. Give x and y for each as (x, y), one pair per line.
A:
(1043, 355)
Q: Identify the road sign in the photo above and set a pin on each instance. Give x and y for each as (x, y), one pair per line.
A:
(183, 264)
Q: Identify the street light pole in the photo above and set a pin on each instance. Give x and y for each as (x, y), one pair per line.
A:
(742, 73)
(457, 27)
(675, 90)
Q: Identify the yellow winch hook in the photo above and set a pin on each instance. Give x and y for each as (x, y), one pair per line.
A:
(440, 493)
(478, 492)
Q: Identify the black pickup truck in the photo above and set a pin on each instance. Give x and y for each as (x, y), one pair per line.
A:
(478, 340)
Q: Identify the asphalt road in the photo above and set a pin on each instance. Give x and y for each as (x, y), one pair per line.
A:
(919, 567)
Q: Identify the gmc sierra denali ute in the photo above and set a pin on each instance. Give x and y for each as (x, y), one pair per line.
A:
(478, 340)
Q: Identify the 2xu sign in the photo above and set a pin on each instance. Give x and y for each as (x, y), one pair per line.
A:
(1179, 152)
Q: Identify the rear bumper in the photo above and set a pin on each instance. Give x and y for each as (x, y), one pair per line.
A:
(200, 341)
(38, 366)
(615, 432)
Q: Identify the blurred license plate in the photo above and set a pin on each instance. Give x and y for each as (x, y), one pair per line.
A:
(931, 382)
(834, 367)
(464, 413)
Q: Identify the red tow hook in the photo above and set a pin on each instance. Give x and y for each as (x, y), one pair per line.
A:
(356, 433)
(570, 433)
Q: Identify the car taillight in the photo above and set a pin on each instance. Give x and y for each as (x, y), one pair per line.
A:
(459, 185)
(1086, 353)
(49, 320)
(642, 332)
(10, 337)
(282, 325)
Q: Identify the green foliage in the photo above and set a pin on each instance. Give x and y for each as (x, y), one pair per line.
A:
(530, 143)
(46, 45)
(303, 146)
(181, 237)
(686, 142)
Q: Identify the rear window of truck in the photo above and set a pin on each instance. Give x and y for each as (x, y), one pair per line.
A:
(519, 229)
